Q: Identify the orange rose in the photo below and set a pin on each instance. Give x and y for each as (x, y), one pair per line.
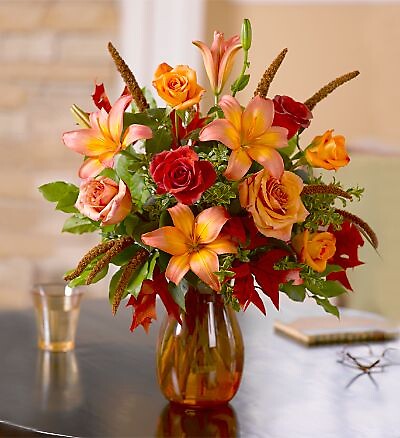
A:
(315, 249)
(177, 86)
(275, 204)
(328, 152)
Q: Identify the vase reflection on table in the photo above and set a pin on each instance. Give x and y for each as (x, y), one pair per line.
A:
(178, 421)
(200, 361)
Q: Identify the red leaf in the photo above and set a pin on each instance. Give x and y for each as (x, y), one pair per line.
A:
(243, 230)
(269, 278)
(144, 310)
(100, 98)
(340, 276)
(197, 122)
(161, 287)
(348, 240)
(244, 289)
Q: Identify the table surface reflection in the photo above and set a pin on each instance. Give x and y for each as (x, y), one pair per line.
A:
(107, 387)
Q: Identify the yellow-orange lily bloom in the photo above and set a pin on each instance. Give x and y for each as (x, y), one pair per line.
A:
(250, 135)
(194, 243)
(218, 59)
(104, 139)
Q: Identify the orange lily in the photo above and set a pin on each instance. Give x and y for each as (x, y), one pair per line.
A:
(250, 136)
(194, 243)
(103, 139)
(218, 59)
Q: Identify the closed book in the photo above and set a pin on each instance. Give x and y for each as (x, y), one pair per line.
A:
(315, 330)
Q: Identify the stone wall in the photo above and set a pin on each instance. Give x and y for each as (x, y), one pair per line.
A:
(51, 51)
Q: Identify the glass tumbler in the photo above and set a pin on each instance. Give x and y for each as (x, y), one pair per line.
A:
(57, 311)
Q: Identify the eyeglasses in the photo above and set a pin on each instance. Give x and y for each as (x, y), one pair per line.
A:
(368, 361)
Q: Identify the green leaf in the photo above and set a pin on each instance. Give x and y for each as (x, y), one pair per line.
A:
(113, 285)
(126, 165)
(240, 83)
(332, 289)
(327, 306)
(81, 280)
(331, 268)
(67, 203)
(141, 273)
(124, 256)
(163, 260)
(79, 224)
(108, 172)
(131, 222)
(290, 148)
(144, 227)
(178, 292)
(294, 292)
(161, 141)
(55, 191)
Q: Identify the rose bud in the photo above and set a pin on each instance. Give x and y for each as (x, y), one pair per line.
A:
(328, 152)
(102, 199)
(314, 249)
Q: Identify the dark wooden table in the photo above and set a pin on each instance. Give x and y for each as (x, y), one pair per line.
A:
(107, 387)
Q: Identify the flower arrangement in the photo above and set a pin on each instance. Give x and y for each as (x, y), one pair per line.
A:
(227, 201)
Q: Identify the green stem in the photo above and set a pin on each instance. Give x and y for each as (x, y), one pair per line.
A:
(177, 128)
(245, 61)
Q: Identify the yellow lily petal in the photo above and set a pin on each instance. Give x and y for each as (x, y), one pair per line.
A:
(232, 111)
(257, 118)
(274, 137)
(238, 164)
(90, 168)
(168, 239)
(177, 268)
(116, 117)
(223, 131)
(183, 219)
(209, 224)
(267, 157)
(204, 263)
(222, 245)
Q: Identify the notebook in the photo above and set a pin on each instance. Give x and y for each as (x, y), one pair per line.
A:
(316, 330)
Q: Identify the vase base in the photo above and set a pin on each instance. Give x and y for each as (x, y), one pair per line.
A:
(203, 405)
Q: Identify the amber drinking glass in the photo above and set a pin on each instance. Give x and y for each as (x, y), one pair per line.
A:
(200, 361)
(57, 312)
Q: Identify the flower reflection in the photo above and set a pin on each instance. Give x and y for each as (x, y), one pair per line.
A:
(176, 421)
(58, 382)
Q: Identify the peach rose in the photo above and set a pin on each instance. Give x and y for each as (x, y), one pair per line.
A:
(315, 249)
(102, 199)
(328, 152)
(275, 204)
(177, 86)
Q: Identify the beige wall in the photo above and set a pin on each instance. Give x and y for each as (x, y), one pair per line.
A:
(50, 53)
(325, 41)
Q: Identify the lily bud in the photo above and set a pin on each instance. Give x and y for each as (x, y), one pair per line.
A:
(80, 116)
(246, 35)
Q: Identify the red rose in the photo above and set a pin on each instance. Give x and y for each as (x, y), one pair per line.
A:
(290, 114)
(181, 173)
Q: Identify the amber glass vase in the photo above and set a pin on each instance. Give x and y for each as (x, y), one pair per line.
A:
(200, 361)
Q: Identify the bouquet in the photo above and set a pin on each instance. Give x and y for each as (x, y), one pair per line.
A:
(226, 201)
